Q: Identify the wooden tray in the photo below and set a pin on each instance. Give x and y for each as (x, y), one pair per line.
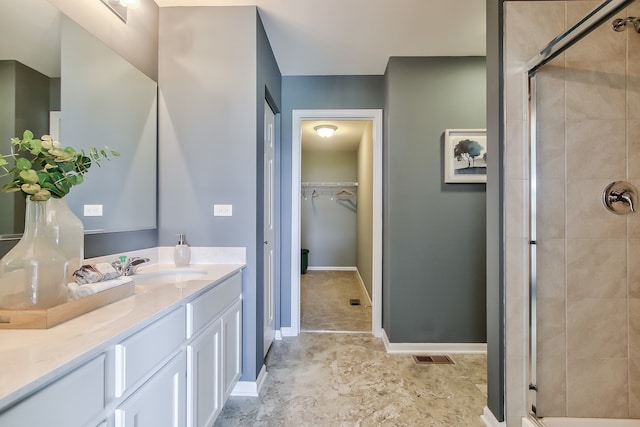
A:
(47, 318)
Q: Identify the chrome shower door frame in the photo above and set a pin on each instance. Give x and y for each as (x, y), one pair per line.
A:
(558, 45)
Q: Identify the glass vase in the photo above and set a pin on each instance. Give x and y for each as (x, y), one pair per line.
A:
(33, 274)
(68, 232)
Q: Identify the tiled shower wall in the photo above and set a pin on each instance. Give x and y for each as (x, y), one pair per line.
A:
(588, 109)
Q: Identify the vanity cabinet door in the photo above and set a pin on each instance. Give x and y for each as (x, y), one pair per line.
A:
(160, 401)
(72, 400)
(204, 377)
(231, 348)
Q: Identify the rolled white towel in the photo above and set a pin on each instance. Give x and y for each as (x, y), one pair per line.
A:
(79, 291)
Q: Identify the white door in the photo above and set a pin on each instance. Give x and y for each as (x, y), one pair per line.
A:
(269, 273)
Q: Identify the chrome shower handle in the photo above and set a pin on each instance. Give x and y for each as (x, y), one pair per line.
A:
(620, 197)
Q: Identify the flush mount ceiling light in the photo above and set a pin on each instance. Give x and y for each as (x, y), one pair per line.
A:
(325, 131)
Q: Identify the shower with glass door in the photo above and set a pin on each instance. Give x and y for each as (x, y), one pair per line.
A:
(584, 224)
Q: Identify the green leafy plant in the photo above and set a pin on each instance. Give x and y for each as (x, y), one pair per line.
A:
(43, 169)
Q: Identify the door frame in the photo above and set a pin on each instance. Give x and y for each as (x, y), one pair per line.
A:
(374, 115)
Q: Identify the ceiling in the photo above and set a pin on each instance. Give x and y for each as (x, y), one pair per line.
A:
(357, 37)
(346, 138)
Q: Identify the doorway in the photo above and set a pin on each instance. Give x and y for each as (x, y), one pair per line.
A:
(300, 116)
(336, 226)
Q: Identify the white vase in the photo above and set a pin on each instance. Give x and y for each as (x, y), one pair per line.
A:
(68, 232)
(33, 274)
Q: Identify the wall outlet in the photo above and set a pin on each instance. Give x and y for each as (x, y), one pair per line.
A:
(222, 210)
(92, 210)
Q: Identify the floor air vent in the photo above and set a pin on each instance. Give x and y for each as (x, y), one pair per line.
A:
(354, 301)
(432, 359)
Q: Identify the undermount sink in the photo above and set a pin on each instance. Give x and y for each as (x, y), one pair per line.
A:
(162, 274)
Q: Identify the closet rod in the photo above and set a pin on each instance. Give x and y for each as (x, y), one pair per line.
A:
(329, 184)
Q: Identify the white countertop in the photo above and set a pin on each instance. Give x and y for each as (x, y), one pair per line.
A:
(32, 358)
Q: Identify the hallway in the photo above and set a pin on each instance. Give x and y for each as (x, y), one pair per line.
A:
(349, 379)
(325, 302)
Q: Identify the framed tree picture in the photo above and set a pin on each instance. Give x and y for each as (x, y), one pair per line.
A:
(465, 155)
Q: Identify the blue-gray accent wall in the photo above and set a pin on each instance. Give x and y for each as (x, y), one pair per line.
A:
(314, 93)
(434, 233)
(495, 210)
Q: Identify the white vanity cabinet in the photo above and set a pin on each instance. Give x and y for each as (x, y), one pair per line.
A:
(214, 354)
(160, 401)
(175, 368)
(73, 400)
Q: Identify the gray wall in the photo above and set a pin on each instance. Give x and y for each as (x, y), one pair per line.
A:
(212, 72)
(495, 256)
(434, 241)
(328, 226)
(314, 93)
(365, 208)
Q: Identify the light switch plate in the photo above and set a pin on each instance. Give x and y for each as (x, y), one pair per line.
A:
(92, 210)
(222, 210)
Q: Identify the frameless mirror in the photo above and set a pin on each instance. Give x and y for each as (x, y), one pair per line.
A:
(57, 78)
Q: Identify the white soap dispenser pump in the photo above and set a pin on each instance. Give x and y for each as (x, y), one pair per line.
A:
(182, 252)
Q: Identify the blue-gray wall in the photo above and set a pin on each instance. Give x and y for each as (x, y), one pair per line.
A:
(269, 88)
(434, 233)
(214, 66)
(495, 247)
(314, 93)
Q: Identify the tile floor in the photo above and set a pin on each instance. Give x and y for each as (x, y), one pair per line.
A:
(348, 379)
(324, 302)
(338, 379)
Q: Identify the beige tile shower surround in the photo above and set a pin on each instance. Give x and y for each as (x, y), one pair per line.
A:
(588, 259)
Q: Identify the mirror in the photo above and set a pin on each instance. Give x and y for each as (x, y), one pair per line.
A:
(57, 77)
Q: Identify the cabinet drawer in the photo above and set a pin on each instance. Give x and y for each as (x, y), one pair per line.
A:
(142, 352)
(73, 400)
(212, 304)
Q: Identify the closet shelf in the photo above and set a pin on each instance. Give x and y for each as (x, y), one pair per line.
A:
(329, 184)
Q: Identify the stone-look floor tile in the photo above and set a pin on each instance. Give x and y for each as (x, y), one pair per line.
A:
(325, 306)
(349, 379)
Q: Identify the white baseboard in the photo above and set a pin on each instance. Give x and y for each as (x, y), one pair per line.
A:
(364, 287)
(251, 388)
(287, 331)
(435, 347)
(490, 420)
(278, 335)
(332, 268)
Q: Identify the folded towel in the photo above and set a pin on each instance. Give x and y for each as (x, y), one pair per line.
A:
(78, 291)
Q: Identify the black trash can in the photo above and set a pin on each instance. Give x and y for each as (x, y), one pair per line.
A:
(304, 261)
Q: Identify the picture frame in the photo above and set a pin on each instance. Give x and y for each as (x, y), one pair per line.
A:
(465, 156)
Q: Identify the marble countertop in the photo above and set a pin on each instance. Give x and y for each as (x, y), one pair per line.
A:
(30, 359)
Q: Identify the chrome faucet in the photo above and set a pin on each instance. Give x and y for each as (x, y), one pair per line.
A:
(128, 266)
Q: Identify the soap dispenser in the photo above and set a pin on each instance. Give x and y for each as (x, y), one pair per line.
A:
(181, 252)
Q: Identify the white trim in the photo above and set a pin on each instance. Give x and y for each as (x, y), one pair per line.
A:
(288, 332)
(251, 388)
(490, 420)
(374, 115)
(364, 287)
(332, 268)
(433, 347)
(278, 336)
